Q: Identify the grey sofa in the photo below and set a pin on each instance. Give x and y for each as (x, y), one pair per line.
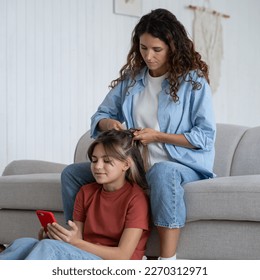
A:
(223, 214)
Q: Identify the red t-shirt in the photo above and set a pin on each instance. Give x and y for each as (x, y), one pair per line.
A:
(106, 214)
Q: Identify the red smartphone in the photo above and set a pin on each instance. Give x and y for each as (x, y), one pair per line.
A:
(45, 217)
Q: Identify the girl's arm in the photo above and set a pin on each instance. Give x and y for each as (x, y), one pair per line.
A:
(125, 249)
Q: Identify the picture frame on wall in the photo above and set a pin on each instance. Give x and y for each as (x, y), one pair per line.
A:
(128, 7)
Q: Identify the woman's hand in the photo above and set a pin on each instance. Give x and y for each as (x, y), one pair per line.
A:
(108, 124)
(58, 232)
(146, 135)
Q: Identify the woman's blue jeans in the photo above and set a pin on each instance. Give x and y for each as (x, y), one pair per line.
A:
(46, 249)
(165, 180)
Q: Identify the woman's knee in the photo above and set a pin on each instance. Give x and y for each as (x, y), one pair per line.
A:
(77, 174)
(161, 172)
(168, 171)
(68, 172)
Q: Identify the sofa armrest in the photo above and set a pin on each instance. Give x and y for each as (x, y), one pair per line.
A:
(20, 167)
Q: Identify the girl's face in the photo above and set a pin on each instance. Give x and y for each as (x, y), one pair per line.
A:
(108, 171)
(155, 54)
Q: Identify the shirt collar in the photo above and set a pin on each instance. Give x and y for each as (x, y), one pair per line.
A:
(142, 75)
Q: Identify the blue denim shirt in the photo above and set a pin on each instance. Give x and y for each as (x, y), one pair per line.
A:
(192, 116)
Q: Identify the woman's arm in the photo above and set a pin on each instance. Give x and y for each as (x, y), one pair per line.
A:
(125, 249)
(110, 108)
(149, 135)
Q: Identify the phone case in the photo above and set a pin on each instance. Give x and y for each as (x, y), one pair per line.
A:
(45, 217)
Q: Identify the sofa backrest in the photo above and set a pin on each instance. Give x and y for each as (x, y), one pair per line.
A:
(227, 140)
(237, 150)
(246, 159)
(80, 154)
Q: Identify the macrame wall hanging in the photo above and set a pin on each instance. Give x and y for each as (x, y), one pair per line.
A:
(208, 40)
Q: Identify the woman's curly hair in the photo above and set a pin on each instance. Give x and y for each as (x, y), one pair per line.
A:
(183, 58)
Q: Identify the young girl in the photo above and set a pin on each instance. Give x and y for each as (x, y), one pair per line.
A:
(111, 215)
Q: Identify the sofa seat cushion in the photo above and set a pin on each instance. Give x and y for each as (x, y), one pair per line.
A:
(31, 192)
(224, 198)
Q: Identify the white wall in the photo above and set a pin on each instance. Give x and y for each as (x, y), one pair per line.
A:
(57, 58)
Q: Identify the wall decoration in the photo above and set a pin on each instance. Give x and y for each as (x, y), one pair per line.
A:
(208, 41)
(128, 7)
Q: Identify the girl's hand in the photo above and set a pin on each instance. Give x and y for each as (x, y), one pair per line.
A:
(42, 234)
(58, 232)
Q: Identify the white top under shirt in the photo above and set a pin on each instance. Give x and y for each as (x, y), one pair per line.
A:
(145, 111)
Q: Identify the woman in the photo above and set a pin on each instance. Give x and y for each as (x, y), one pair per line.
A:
(164, 90)
(111, 215)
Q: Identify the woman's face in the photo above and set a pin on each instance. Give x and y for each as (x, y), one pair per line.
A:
(155, 54)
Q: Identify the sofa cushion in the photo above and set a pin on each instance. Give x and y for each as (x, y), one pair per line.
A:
(31, 192)
(224, 198)
(29, 166)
